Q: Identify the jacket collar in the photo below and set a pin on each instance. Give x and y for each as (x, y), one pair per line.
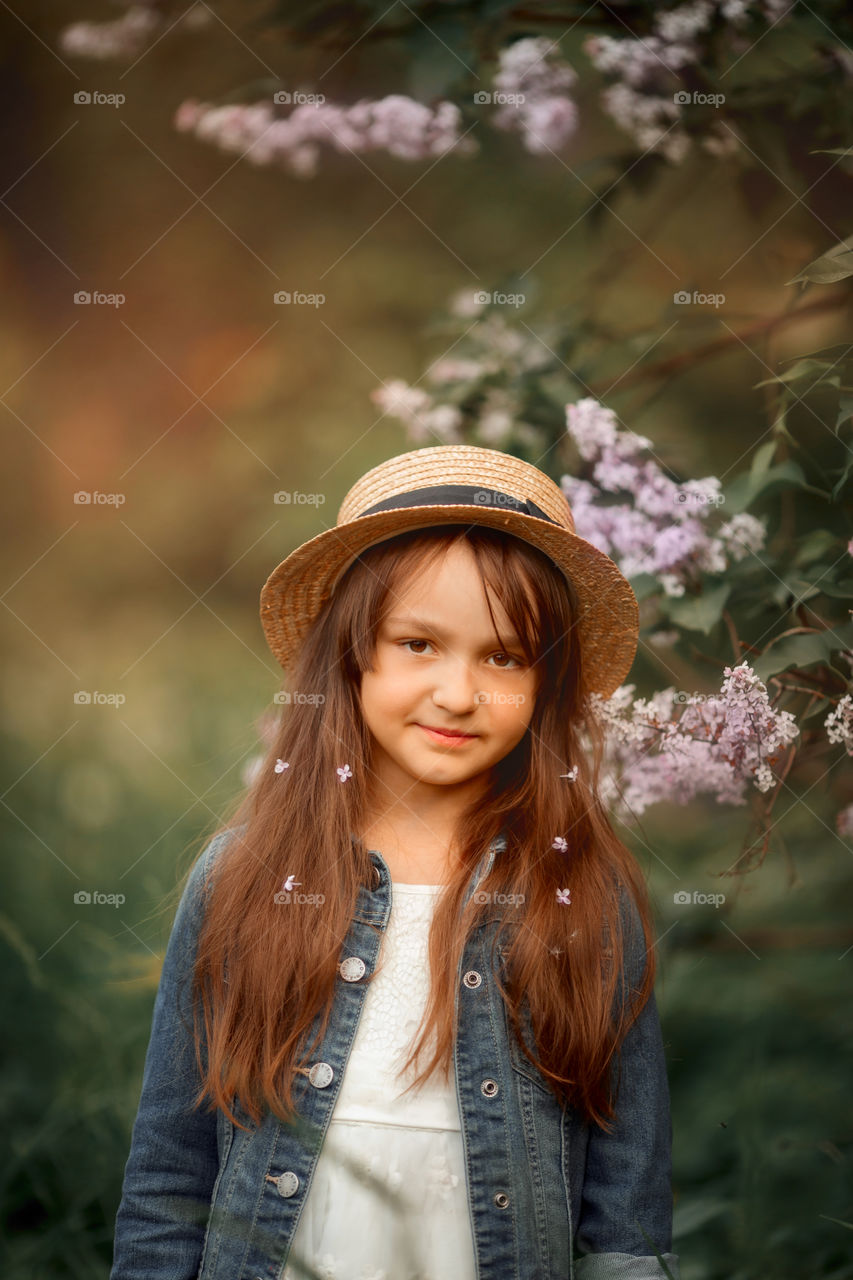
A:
(370, 908)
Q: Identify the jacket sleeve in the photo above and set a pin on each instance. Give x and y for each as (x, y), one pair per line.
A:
(173, 1161)
(628, 1179)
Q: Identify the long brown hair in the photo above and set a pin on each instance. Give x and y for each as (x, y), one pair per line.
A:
(261, 974)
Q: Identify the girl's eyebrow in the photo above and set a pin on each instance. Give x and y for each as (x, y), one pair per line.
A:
(421, 625)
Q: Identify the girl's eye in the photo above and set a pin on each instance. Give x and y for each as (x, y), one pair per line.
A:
(499, 654)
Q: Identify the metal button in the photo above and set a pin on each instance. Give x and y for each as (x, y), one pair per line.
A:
(287, 1184)
(321, 1075)
(489, 1088)
(352, 968)
(501, 1199)
(472, 978)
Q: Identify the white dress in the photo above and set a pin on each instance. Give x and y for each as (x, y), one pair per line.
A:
(415, 1224)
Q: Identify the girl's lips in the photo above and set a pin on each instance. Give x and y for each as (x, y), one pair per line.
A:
(447, 739)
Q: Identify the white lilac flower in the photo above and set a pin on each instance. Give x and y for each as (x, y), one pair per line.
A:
(532, 72)
(839, 723)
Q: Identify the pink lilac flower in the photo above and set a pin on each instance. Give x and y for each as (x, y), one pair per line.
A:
(290, 884)
(672, 747)
(344, 772)
(839, 723)
(532, 72)
(423, 418)
(281, 765)
(661, 528)
(647, 73)
(397, 124)
(129, 35)
(560, 843)
(564, 898)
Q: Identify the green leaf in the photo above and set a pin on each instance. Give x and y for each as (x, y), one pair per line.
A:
(802, 650)
(761, 459)
(644, 585)
(814, 544)
(835, 264)
(746, 487)
(845, 410)
(841, 590)
(698, 613)
(799, 369)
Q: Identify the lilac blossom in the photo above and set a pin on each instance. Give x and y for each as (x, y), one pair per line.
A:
(674, 746)
(661, 528)
(127, 36)
(839, 724)
(424, 420)
(644, 100)
(531, 72)
(396, 124)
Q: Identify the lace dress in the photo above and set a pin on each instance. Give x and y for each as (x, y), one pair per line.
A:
(389, 1200)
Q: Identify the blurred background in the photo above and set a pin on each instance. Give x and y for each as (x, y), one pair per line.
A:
(185, 405)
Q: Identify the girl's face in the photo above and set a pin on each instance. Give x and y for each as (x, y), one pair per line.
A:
(439, 665)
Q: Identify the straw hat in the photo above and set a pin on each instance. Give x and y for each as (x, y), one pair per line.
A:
(458, 484)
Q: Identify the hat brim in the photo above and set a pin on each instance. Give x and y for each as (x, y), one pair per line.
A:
(608, 621)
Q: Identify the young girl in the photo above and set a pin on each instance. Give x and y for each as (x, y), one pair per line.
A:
(421, 869)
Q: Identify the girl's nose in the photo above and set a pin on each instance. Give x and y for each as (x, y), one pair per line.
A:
(456, 689)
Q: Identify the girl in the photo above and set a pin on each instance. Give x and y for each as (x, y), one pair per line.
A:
(422, 868)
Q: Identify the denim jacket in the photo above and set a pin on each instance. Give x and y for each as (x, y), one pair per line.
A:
(549, 1196)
